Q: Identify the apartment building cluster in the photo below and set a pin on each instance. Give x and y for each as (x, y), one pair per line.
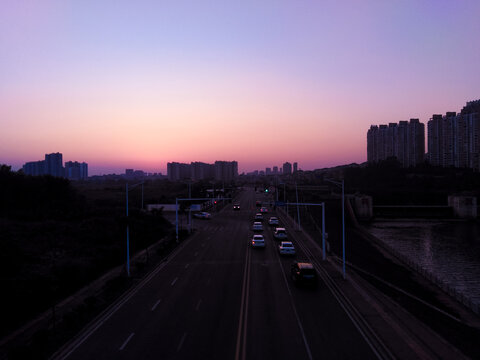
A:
(405, 141)
(220, 171)
(285, 169)
(53, 165)
(454, 138)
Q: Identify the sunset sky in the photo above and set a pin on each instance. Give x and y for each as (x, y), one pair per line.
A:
(136, 84)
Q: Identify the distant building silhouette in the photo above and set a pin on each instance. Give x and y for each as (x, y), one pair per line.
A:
(221, 171)
(201, 171)
(287, 168)
(268, 171)
(76, 171)
(34, 168)
(405, 141)
(178, 171)
(295, 167)
(226, 170)
(454, 139)
(275, 170)
(54, 164)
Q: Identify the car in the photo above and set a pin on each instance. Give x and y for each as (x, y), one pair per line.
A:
(258, 216)
(257, 226)
(273, 221)
(286, 248)
(258, 241)
(263, 209)
(280, 233)
(236, 207)
(203, 215)
(258, 204)
(303, 273)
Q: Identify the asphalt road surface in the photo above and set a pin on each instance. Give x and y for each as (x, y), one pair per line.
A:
(218, 298)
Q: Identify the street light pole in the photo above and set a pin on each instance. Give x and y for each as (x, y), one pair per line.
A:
(342, 184)
(128, 237)
(128, 228)
(298, 209)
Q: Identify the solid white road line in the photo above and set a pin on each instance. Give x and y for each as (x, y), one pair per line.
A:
(196, 253)
(174, 281)
(187, 265)
(180, 344)
(126, 342)
(198, 305)
(242, 317)
(156, 304)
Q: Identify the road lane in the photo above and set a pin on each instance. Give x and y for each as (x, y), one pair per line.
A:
(192, 307)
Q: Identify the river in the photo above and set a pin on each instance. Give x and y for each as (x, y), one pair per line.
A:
(448, 249)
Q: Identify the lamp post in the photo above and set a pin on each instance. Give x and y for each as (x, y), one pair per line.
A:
(128, 229)
(298, 209)
(342, 184)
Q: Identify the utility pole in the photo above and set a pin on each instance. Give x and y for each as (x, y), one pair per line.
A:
(342, 184)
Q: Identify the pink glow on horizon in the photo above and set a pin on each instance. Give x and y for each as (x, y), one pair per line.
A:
(137, 86)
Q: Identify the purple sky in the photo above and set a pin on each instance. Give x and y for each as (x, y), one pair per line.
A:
(123, 84)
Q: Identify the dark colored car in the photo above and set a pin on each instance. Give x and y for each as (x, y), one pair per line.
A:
(236, 207)
(304, 273)
(258, 204)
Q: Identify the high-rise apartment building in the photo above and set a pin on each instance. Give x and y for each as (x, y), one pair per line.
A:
(54, 164)
(178, 171)
(295, 167)
(34, 168)
(226, 170)
(76, 171)
(275, 170)
(405, 141)
(454, 139)
(201, 171)
(287, 168)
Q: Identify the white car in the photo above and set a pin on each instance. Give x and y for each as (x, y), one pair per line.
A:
(258, 216)
(202, 215)
(257, 226)
(286, 248)
(280, 233)
(273, 221)
(258, 241)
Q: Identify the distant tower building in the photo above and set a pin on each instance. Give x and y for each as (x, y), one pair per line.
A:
(454, 139)
(226, 170)
(201, 171)
(295, 167)
(76, 171)
(471, 114)
(416, 142)
(401, 144)
(54, 164)
(275, 170)
(287, 168)
(372, 143)
(405, 141)
(34, 168)
(178, 171)
(268, 171)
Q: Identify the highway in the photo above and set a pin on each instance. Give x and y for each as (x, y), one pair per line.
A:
(218, 298)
